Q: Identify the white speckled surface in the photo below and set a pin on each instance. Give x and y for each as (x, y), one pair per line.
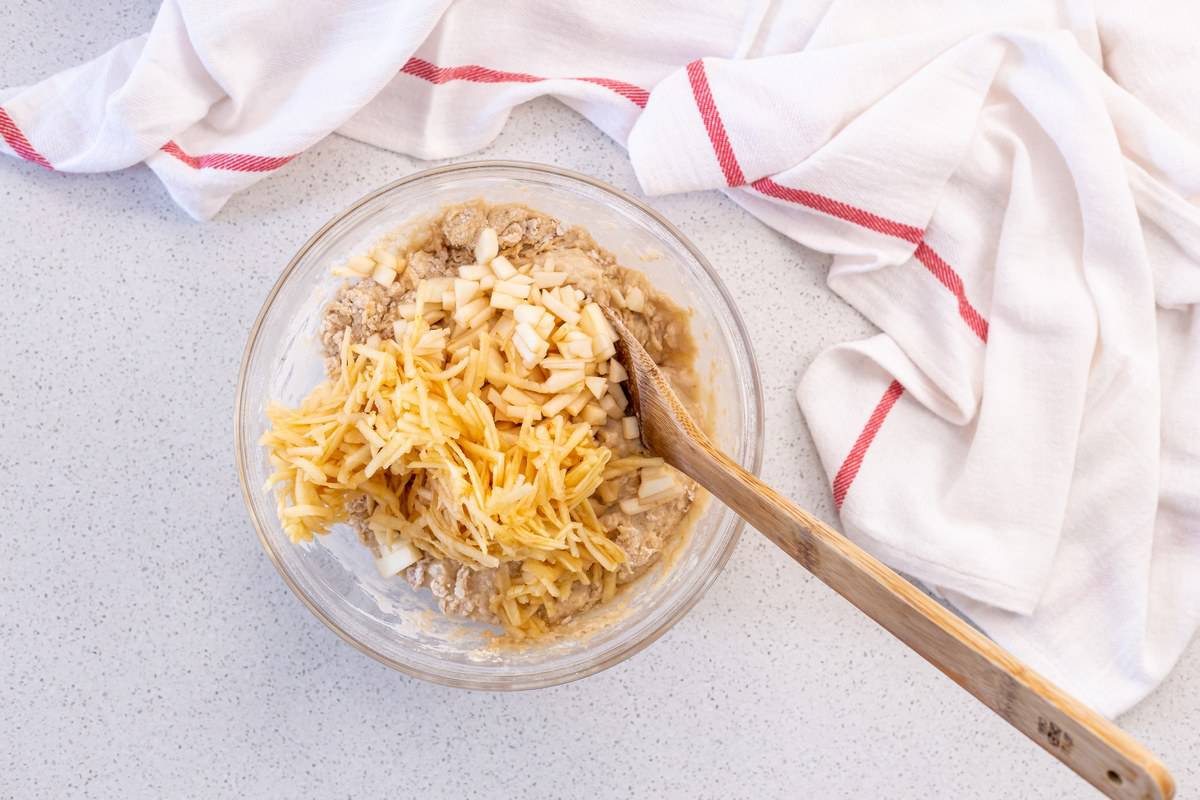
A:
(148, 649)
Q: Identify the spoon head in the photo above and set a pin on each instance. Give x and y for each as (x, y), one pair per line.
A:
(628, 358)
(664, 425)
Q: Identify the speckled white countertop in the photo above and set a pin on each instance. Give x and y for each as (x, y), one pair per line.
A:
(149, 650)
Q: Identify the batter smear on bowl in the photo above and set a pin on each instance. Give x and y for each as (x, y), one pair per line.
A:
(474, 428)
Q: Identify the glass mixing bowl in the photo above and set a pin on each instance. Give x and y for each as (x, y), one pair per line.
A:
(335, 575)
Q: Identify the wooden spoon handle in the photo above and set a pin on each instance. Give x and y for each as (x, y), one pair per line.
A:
(1091, 745)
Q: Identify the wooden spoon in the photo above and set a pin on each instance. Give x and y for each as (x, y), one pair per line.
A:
(1095, 748)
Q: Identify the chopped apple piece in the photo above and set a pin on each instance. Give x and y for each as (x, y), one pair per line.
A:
(386, 258)
(503, 329)
(561, 380)
(528, 314)
(545, 326)
(516, 397)
(650, 501)
(465, 313)
(618, 396)
(487, 245)
(555, 362)
(481, 316)
(576, 405)
(503, 268)
(431, 342)
(545, 280)
(473, 272)
(557, 403)
(580, 348)
(529, 356)
(655, 485)
(465, 291)
(512, 288)
(383, 275)
(361, 265)
(519, 413)
(593, 323)
(525, 334)
(435, 287)
(505, 301)
(394, 559)
(550, 301)
(610, 407)
(593, 415)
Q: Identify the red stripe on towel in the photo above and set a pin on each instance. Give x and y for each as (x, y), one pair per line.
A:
(713, 124)
(952, 281)
(473, 73)
(849, 469)
(836, 208)
(232, 162)
(15, 139)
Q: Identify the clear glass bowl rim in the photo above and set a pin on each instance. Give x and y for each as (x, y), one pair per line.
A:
(756, 416)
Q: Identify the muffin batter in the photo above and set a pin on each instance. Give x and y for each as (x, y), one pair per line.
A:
(368, 309)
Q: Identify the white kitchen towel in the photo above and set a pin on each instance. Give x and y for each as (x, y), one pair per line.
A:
(1010, 193)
